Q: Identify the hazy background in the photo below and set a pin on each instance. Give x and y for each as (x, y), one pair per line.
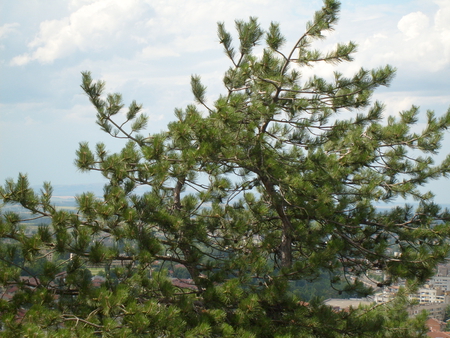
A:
(147, 51)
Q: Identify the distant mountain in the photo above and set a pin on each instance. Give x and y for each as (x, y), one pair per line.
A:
(71, 190)
(77, 189)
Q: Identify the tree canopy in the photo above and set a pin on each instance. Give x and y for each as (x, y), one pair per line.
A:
(276, 181)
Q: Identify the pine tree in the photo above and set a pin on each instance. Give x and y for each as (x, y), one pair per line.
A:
(266, 186)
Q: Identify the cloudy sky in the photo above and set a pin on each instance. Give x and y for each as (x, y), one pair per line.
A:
(147, 50)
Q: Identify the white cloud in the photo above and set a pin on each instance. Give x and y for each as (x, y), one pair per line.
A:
(180, 26)
(75, 4)
(421, 41)
(21, 60)
(427, 46)
(188, 26)
(93, 26)
(442, 26)
(413, 24)
(80, 114)
(7, 28)
(157, 52)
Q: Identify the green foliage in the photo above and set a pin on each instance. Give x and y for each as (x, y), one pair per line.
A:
(266, 189)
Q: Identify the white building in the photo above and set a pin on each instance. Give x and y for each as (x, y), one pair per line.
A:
(435, 310)
(442, 282)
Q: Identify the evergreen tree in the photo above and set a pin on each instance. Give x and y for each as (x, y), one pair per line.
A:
(266, 186)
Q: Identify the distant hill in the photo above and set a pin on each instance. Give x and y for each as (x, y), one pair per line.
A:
(72, 190)
(77, 189)
(63, 191)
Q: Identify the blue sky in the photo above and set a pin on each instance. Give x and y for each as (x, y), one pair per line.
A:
(147, 50)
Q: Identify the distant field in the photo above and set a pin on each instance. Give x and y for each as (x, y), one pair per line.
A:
(96, 271)
(65, 207)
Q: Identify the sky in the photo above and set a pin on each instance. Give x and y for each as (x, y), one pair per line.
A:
(148, 49)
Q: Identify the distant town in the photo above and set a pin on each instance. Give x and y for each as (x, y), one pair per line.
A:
(433, 296)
